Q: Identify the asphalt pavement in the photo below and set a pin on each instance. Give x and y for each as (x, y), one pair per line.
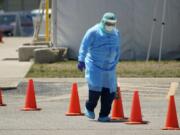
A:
(53, 95)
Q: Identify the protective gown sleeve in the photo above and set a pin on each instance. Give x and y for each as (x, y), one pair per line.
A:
(118, 56)
(86, 42)
(118, 50)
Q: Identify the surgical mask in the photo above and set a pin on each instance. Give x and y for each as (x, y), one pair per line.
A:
(109, 28)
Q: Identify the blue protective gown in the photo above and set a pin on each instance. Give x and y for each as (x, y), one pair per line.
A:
(100, 51)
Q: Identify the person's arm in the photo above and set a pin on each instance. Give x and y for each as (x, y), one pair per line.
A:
(86, 42)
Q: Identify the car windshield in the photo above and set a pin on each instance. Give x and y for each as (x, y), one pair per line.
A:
(7, 19)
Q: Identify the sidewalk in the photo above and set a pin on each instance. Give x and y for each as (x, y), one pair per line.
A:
(11, 70)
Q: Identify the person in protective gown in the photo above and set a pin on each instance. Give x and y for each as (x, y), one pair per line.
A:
(99, 54)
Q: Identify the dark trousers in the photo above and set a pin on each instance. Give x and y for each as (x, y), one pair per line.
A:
(106, 101)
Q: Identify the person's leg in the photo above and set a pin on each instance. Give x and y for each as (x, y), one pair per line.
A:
(106, 102)
(92, 101)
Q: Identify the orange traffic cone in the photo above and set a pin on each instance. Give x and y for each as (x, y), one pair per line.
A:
(30, 103)
(1, 100)
(136, 117)
(117, 109)
(74, 106)
(171, 119)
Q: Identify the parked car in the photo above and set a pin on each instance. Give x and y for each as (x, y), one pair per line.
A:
(26, 24)
(7, 24)
(16, 24)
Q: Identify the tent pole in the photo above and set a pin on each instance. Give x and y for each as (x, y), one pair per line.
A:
(152, 30)
(54, 23)
(162, 29)
(38, 22)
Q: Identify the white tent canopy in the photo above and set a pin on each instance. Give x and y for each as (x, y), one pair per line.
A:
(71, 19)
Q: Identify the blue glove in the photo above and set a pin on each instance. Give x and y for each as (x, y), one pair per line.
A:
(81, 66)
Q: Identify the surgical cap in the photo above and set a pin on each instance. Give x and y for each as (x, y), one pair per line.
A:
(109, 17)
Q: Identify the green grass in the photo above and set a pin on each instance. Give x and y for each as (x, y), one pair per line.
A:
(124, 69)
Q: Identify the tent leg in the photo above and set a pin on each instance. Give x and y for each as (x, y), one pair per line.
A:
(162, 30)
(152, 30)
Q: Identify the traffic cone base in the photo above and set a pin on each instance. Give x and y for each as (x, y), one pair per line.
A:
(171, 128)
(119, 118)
(2, 104)
(74, 114)
(31, 109)
(135, 123)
